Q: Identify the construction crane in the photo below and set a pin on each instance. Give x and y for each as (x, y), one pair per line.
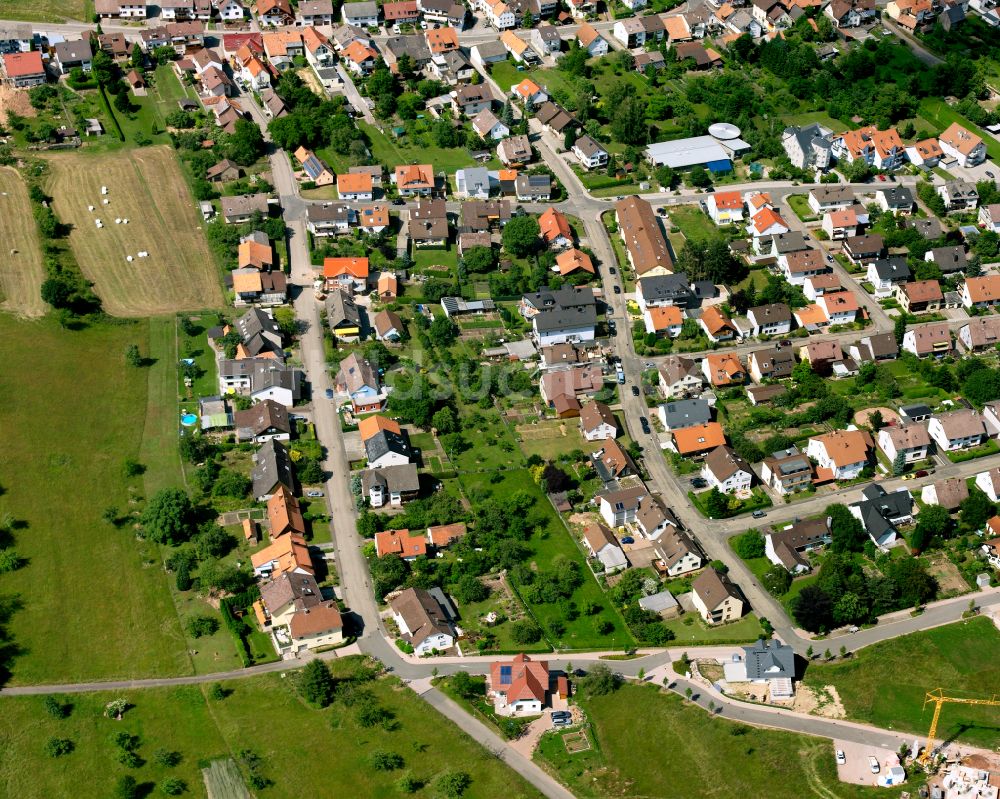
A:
(938, 698)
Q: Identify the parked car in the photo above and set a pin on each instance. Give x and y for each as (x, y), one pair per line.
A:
(662, 211)
(399, 201)
(644, 422)
(759, 514)
(873, 764)
(628, 540)
(989, 174)
(923, 473)
(698, 482)
(314, 493)
(841, 757)
(613, 270)
(635, 391)
(329, 393)
(618, 289)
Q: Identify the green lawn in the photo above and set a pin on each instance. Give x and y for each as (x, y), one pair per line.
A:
(49, 10)
(552, 438)
(693, 222)
(426, 257)
(691, 630)
(938, 112)
(549, 541)
(799, 203)
(885, 684)
(647, 743)
(302, 751)
(95, 601)
(824, 119)
(493, 447)
(506, 74)
(392, 152)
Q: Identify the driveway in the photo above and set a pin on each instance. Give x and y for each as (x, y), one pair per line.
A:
(857, 770)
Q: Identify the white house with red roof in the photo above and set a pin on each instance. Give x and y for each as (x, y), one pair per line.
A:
(519, 687)
(725, 207)
(767, 222)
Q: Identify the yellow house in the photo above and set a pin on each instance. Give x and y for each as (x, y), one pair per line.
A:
(716, 598)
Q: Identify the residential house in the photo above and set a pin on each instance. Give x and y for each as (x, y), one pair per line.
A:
(821, 355)
(328, 219)
(359, 58)
(545, 39)
(787, 471)
(23, 70)
(949, 493)
(840, 224)
(589, 153)
(346, 273)
(678, 414)
(402, 543)
(717, 326)
(619, 507)
(716, 598)
(766, 222)
(824, 199)
(925, 153)
(800, 265)
(315, 170)
(788, 547)
(725, 207)
(965, 147)
(981, 292)
(518, 687)
(288, 554)
(677, 553)
(957, 430)
(388, 326)
(912, 441)
(67, 55)
(980, 333)
(262, 422)
(851, 13)
(243, 208)
(391, 485)
(402, 12)
(645, 243)
(487, 53)
(723, 369)
(881, 149)
(630, 32)
(815, 286)
(314, 12)
(270, 13)
(864, 249)
(885, 274)
(597, 422)
(989, 483)
(770, 320)
(574, 261)
(602, 545)
(533, 188)
(808, 147)
(555, 229)
(471, 100)
(725, 470)
(932, 338)
(948, 259)
(479, 216)
(423, 620)
(989, 217)
(882, 513)
(958, 195)
(359, 380)
(284, 514)
(414, 180)
(361, 15)
(840, 455)
(895, 199)
(272, 468)
(772, 363)
(428, 224)
(354, 187)
(696, 440)
(555, 119)
(445, 12)
(664, 290)
(588, 36)
(667, 320)
(516, 151)
(386, 445)
(920, 296)
(561, 388)
(343, 316)
(680, 376)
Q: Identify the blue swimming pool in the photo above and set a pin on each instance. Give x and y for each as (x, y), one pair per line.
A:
(189, 419)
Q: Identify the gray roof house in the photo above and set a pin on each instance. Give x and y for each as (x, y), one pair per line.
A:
(391, 485)
(770, 661)
(272, 467)
(678, 414)
(880, 512)
(533, 187)
(236, 210)
(387, 448)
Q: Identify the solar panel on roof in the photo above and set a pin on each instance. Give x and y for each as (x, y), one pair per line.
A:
(505, 675)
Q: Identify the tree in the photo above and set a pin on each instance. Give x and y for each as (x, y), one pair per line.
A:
(699, 177)
(813, 609)
(899, 328)
(316, 684)
(846, 532)
(55, 708)
(132, 356)
(453, 784)
(137, 57)
(470, 589)
(127, 788)
(975, 510)
(168, 517)
(201, 626)
(103, 69)
(520, 236)
(628, 125)
(899, 464)
(444, 420)
(914, 583)
(57, 747)
(776, 580)
(507, 114)
(749, 545)
(982, 386)
(173, 786)
(876, 421)
(716, 504)
(525, 631)
(443, 331)
(168, 757)
(382, 760)
(246, 144)
(122, 103)
(933, 522)
(479, 259)
(600, 681)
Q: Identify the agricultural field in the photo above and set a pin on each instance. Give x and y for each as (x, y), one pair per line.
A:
(48, 10)
(93, 600)
(22, 273)
(327, 747)
(646, 742)
(146, 187)
(880, 685)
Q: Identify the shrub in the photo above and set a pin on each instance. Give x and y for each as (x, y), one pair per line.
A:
(385, 761)
(201, 626)
(57, 747)
(173, 786)
(453, 784)
(167, 757)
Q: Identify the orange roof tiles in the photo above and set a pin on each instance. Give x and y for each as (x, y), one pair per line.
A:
(289, 551)
(441, 40)
(983, 289)
(573, 260)
(355, 267)
(444, 534)
(810, 315)
(699, 438)
(767, 218)
(724, 368)
(553, 225)
(728, 200)
(372, 425)
(715, 320)
(359, 183)
(415, 176)
(255, 254)
(665, 316)
(959, 138)
(400, 542)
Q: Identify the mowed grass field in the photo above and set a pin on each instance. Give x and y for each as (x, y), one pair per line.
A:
(652, 744)
(48, 10)
(21, 273)
(885, 684)
(146, 187)
(95, 600)
(303, 751)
